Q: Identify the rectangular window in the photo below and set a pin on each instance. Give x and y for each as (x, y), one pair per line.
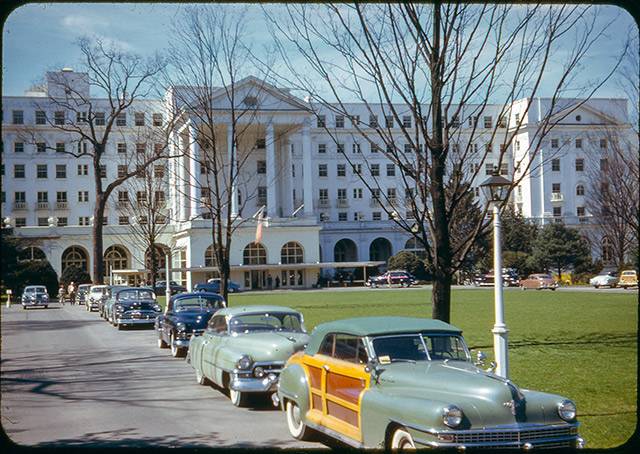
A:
(357, 169)
(123, 197)
(103, 171)
(81, 117)
(578, 143)
(122, 170)
(474, 148)
(61, 196)
(42, 222)
(83, 220)
(99, 119)
(603, 164)
(321, 121)
(61, 171)
(373, 121)
(323, 194)
(375, 148)
(376, 216)
(603, 144)
(375, 193)
(158, 148)
(355, 148)
(261, 167)
(488, 122)
(262, 195)
(141, 197)
(83, 196)
(355, 120)
(58, 117)
(342, 194)
(340, 148)
(82, 147)
(580, 211)
(504, 168)
(121, 147)
(408, 148)
(375, 170)
(158, 171)
(324, 217)
(17, 117)
(322, 170)
(61, 147)
(159, 197)
(488, 147)
(322, 148)
(341, 170)
(83, 169)
(21, 222)
(406, 121)
(342, 216)
(41, 171)
(555, 165)
(388, 121)
(339, 121)
(455, 122)
(121, 119)
(141, 148)
(140, 171)
(517, 117)
(357, 193)
(554, 143)
(579, 165)
(41, 117)
(555, 188)
(41, 147)
(18, 147)
(138, 118)
(391, 193)
(157, 119)
(123, 220)
(62, 221)
(488, 168)
(557, 211)
(20, 197)
(261, 144)
(43, 197)
(391, 170)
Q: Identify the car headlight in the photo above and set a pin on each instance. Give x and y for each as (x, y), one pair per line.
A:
(157, 308)
(119, 308)
(452, 416)
(258, 372)
(181, 326)
(567, 410)
(244, 362)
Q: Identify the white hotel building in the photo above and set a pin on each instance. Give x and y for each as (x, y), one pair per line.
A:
(47, 196)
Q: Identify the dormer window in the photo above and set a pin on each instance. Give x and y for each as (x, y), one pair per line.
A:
(250, 101)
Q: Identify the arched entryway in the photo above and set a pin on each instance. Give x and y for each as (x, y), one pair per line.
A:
(255, 254)
(345, 250)
(75, 256)
(116, 257)
(380, 250)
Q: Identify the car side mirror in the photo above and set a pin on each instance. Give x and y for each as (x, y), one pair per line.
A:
(373, 367)
(480, 359)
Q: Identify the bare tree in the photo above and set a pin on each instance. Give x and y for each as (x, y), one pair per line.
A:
(120, 81)
(215, 97)
(440, 79)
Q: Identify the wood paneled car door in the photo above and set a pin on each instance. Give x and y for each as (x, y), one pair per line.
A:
(337, 382)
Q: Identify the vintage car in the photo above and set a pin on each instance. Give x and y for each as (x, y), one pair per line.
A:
(161, 287)
(185, 315)
(396, 277)
(213, 286)
(604, 280)
(101, 296)
(243, 349)
(132, 306)
(402, 383)
(509, 279)
(628, 278)
(538, 282)
(34, 295)
(82, 293)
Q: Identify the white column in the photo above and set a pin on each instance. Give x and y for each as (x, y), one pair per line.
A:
(194, 170)
(500, 331)
(306, 168)
(182, 180)
(271, 172)
(232, 162)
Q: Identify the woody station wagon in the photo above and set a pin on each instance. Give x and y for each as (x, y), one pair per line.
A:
(400, 383)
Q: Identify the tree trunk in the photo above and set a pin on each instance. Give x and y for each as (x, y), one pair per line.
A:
(225, 270)
(559, 273)
(97, 243)
(154, 263)
(441, 296)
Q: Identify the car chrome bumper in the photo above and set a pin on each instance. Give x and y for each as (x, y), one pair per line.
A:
(135, 321)
(254, 385)
(35, 303)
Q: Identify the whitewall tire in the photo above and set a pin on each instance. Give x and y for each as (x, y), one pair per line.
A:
(402, 441)
(297, 428)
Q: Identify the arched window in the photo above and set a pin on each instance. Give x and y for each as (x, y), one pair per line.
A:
(380, 250)
(160, 256)
(345, 250)
(209, 258)
(31, 253)
(254, 254)
(607, 250)
(75, 256)
(415, 246)
(291, 253)
(580, 189)
(115, 258)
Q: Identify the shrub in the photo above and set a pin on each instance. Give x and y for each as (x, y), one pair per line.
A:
(76, 275)
(36, 273)
(405, 260)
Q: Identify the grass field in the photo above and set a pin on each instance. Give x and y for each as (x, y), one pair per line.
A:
(577, 344)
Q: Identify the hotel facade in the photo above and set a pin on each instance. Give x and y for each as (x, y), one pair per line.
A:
(303, 164)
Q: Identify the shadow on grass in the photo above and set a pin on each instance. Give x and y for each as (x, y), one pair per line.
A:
(591, 339)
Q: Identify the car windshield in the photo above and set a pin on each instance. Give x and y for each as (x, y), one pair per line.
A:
(419, 347)
(272, 321)
(135, 295)
(36, 290)
(544, 276)
(196, 303)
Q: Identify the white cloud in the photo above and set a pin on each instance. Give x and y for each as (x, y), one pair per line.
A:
(83, 25)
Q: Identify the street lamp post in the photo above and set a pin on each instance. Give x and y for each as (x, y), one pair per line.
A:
(495, 189)
(167, 289)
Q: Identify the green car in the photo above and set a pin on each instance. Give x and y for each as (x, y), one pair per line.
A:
(402, 383)
(244, 349)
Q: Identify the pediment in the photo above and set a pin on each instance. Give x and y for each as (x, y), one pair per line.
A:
(587, 114)
(253, 93)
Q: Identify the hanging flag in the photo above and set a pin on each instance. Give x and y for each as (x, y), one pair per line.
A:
(259, 226)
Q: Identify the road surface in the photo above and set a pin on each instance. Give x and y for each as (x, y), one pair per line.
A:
(71, 379)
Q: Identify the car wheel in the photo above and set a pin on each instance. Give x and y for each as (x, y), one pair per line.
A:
(297, 428)
(523, 288)
(176, 352)
(239, 399)
(553, 289)
(596, 286)
(402, 440)
(24, 308)
(161, 342)
(46, 306)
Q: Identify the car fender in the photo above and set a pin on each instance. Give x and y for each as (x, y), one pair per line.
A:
(382, 410)
(293, 385)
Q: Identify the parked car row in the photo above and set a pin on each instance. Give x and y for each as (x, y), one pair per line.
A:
(627, 279)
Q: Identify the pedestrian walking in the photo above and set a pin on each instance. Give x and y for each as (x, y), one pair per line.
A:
(269, 282)
(277, 282)
(71, 290)
(61, 294)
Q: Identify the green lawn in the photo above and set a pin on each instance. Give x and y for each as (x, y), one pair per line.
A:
(581, 345)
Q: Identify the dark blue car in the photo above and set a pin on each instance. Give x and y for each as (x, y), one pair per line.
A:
(213, 286)
(186, 315)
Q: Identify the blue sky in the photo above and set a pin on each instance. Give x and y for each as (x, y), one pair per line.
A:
(40, 37)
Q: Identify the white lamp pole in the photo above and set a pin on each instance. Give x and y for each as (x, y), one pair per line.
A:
(500, 331)
(494, 188)
(167, 290)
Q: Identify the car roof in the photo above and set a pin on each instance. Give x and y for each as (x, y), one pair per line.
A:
(369, 326)
(180, 296)
(35, 287)
(237, 310)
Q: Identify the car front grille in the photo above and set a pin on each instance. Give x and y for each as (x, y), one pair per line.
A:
(555, 436)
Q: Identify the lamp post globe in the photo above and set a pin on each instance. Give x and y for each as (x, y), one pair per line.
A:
(495, 189)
